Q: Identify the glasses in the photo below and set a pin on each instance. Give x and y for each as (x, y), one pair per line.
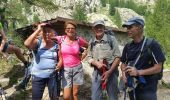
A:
(129, 27)
(70, 28)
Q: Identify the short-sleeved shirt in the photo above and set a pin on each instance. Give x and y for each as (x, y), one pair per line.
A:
(45, 60)
(102, 49)
(132, 50)
(70, 52)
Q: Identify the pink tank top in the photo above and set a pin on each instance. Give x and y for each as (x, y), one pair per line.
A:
(70, 52)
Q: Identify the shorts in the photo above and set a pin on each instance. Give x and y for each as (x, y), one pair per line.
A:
(5, 47)
(73, 76)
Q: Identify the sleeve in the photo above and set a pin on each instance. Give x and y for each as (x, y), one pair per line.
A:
(82, 41)
(157, 53)
(123, 58)
(58, 38)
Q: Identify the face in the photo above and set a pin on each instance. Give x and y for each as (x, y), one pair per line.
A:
(70, 30)
(48, 33)
(133, 30)
(99, 30)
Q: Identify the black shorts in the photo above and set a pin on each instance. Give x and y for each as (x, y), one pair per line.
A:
(5, 47)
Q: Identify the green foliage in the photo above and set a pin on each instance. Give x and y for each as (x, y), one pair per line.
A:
(103, 2)
(113, 4)
(158, 25)
(140, 9)
(118, 19)
(35, 18)
(79, 13)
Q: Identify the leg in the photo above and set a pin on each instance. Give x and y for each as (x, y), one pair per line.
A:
(67, 93)
(66, 82)
(12, 49)
(112, 87)
(96, 86)
(75, 92)
(38, 86)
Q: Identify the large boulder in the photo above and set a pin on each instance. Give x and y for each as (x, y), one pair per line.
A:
(93, 17)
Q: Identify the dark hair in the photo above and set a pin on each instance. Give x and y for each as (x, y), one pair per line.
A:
(70, 22)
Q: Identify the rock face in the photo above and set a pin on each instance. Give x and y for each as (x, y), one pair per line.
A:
(93, 17)
(126, 13)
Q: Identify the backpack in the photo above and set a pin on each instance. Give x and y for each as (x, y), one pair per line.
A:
(109, 34)
(149, 50)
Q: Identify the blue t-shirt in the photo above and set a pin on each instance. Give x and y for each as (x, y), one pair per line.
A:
(45, 61)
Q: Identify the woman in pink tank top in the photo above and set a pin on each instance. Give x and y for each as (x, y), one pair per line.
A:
(73, 72)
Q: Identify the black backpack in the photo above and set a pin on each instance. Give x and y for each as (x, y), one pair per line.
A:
(149, 50)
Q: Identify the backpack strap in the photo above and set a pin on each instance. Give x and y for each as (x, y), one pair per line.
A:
(109, 41)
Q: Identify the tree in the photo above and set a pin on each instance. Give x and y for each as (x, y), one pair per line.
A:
(79, 12)
(21, 9)
(158, 24)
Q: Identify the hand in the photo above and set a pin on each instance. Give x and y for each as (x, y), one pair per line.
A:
(124, 77)
(100, 65)
(58, 67)
(132, 71)
(105, 76)
(41, 25)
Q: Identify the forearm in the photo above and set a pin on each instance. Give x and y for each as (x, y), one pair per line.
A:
(30, 41)
(114, 64)
(152, 70)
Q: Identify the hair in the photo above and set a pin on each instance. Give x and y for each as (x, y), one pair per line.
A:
(70, 22)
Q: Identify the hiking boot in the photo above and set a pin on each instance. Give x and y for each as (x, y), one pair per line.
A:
(20, 86)
(27, 64)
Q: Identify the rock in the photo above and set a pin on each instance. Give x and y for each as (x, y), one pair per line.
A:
(166, 77)
(126, 13)
(93, 17)
(4, 82)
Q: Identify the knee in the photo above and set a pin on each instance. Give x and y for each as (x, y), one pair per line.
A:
(66, 97)
(75, 92)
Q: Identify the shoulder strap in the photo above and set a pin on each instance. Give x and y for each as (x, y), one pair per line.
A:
(137, 59)
(110, 41)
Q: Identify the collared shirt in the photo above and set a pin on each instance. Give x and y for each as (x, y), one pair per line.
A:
(102, 50)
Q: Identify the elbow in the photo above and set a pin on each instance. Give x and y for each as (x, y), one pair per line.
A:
(159, 67)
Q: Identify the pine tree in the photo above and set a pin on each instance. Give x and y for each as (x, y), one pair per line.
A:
(158, 24)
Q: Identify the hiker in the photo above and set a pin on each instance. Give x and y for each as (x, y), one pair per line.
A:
(103, 48)
(73, 72)
(27, 75)
(47, 60)
(6, 47)
(141, 59)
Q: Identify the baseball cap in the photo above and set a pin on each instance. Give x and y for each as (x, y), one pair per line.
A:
(98, 22)
(134, 20)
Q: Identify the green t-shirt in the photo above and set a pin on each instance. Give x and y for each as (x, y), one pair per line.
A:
(0, 26)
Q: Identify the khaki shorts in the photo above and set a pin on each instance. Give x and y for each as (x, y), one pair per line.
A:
(73, 76)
